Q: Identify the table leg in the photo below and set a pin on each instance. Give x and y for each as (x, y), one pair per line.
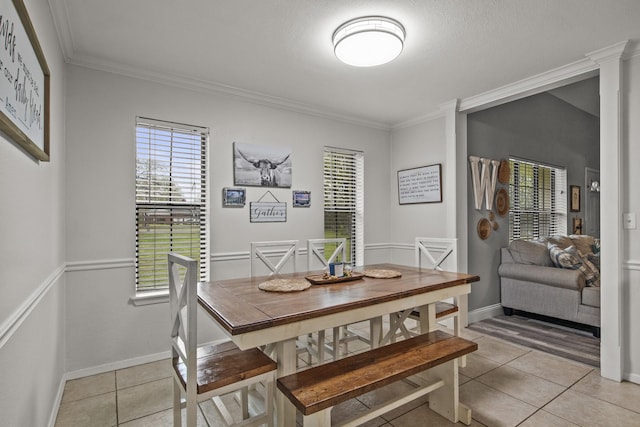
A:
(286, 357)
(428, 318)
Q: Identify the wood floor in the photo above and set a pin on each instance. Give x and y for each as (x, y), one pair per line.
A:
(563, 341)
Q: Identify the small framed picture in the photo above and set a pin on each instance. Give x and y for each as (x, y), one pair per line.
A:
(575, 198)
(233, 197)
(577, 225)
(301, 199)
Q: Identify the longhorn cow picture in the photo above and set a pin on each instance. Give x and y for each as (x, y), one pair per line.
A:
(261, 166)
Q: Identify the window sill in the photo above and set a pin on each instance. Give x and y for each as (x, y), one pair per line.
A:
(151, 297)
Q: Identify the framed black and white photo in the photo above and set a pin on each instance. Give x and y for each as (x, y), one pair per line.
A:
(301, 199)
(261, 166)
(233, 197)
(420, 185)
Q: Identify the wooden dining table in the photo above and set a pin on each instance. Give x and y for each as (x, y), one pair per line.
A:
(252, 317)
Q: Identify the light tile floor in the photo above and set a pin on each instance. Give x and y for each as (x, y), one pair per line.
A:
(504, 384)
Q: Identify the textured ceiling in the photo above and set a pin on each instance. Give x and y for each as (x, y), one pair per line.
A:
(281, 51)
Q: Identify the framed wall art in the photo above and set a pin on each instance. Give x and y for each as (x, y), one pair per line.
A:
(233, 197)
(420, 185)
(301, 199)
(261, 166)
(574, 193)
(24, 84)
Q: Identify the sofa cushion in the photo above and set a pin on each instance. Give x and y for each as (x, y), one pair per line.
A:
(564, 258)
(530, 252)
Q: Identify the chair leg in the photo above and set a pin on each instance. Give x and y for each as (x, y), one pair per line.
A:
(244, 402)
(192, 410)
(177, 405)
(320, 343)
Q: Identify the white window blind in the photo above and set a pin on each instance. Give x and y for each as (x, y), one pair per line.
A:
(538, 198)
(171, 199)
(344, 199)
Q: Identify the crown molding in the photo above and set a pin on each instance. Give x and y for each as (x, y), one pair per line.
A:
(419, 120)
(561, 76)
(65, 37)
(610, 53)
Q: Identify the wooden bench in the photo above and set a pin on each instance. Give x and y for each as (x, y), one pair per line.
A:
(314, 392)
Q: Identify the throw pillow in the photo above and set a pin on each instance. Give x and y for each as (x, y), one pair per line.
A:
(564, 258)
(590, 271)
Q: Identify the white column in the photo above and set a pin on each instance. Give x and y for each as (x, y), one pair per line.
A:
(610, 63)
(455, 179)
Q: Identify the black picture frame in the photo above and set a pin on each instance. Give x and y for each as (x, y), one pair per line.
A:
(420, 185)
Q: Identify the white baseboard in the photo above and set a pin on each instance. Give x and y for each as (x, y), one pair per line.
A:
(57, 401)
(122, 364)
(485, 313)
(128, 363)
(634, 378)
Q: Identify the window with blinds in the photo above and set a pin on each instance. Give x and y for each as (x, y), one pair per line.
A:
(344, 201)
(538, 199)
(171, 199)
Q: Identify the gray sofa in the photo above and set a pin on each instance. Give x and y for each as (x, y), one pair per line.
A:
(530, 282)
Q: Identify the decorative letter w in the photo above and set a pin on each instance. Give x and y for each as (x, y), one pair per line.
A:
(482, 183)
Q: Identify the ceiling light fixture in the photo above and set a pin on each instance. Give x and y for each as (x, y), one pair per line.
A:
(368, 41)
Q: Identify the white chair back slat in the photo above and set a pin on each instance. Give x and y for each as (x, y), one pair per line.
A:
(285, 251)
(435, 252)
(183, 303)
(316, 251)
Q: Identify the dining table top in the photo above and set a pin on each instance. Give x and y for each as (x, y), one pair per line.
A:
(240, 307)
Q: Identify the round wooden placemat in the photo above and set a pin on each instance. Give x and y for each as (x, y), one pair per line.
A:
(284, 285)
(382, 274)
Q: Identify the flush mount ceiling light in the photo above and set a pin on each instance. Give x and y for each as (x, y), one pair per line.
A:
(368, 41)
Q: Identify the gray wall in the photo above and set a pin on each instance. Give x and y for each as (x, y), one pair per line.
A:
(542, 128)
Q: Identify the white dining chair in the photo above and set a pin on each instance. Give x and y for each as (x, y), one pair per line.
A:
(208, 372)
(274, 255)
(433, 253)
(320, 253)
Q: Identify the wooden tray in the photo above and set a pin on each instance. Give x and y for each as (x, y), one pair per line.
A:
(317, 279)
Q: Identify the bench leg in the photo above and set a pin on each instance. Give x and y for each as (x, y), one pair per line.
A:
(446, 400)
(319, 419)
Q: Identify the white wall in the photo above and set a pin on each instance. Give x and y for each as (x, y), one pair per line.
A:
(631, 203)
(103, 327)
(32, 257)
(419, 145)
